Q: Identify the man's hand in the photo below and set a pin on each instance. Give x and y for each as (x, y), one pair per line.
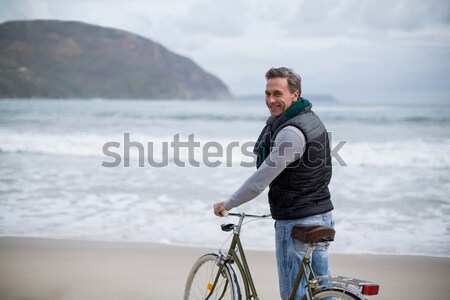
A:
(219, 209)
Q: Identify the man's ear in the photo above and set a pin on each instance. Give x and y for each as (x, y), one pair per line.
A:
(297, 95)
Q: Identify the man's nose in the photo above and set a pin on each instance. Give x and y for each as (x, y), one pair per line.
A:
(270, 99)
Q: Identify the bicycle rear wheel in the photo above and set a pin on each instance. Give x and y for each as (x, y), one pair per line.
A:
(202, 276)
(335, 294)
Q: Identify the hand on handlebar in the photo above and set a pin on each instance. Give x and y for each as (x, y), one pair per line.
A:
(219, 210)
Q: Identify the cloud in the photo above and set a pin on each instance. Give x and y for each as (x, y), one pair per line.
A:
(328, 17)
(219, 18)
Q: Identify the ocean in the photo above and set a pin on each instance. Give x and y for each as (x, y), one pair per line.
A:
(150, 171)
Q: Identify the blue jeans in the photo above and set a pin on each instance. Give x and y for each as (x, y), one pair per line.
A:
(290, 252)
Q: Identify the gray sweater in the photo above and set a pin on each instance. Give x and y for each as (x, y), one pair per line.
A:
(288, 147)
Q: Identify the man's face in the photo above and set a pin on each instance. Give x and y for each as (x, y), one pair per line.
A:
(278, 96)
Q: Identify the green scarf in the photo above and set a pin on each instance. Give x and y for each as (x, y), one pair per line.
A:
(262, 146)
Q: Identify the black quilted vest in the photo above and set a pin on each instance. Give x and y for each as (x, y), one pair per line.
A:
(301, 190)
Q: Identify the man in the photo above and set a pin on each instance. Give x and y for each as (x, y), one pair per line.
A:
(293, 158)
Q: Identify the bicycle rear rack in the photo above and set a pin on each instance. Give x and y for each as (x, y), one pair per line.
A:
(362, 286)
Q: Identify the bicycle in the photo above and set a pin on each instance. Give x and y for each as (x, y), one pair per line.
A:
(213, 276)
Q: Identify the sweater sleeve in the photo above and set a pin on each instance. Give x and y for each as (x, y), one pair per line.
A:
(289, 146)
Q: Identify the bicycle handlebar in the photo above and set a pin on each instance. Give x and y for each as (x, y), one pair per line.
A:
(225, 213)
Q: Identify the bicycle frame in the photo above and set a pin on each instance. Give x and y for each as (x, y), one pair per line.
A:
(237, 255)
(306, 263)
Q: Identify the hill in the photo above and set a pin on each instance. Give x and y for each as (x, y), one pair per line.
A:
(62, 59)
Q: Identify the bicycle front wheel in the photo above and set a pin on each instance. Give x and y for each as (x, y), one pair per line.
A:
(200, 283)
(335, 294)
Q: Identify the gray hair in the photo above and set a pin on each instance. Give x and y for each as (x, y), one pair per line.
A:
(294, 80)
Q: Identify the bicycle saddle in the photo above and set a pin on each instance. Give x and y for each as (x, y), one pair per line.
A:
(313, 234)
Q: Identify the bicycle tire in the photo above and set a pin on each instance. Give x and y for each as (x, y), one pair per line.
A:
(335, 294)
(202, 276)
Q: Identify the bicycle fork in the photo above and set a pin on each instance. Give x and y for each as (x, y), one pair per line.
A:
(241, 262)
(223, 258)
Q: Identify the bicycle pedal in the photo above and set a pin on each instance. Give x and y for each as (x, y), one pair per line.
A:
(227, 227)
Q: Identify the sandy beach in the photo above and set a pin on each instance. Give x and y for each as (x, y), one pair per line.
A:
(32, 269)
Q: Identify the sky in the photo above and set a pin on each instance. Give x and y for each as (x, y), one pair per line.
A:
(359, 51)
